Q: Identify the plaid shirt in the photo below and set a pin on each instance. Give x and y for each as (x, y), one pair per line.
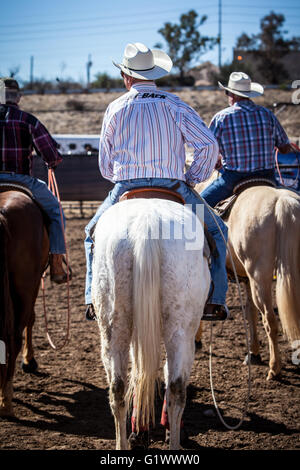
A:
(20, 132)
(247, 134)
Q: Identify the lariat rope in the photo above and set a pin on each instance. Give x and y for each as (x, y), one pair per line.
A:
(52, 186)
(278, 169)
(238, 425)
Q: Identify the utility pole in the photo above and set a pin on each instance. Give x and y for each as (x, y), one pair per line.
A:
(88, 68)
(31, 69)
(220, 32)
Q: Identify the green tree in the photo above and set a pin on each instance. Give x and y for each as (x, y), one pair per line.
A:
(103, 80)
(184, 41)
(270, 44)
(227, 69)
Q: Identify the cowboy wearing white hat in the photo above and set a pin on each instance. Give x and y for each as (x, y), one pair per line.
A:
(247, 135)
(142, 63)
(240, 84)
(142, 143)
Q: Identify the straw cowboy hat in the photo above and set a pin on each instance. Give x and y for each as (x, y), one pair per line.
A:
(141, 62)
(240, 84)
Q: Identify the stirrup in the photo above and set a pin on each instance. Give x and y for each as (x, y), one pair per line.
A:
(90, 313)
(215, 312)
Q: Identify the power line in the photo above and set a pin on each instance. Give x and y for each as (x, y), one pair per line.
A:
(144, 14)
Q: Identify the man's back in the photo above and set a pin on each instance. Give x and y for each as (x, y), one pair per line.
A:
(144, 134)
(19, 133)
(247, 134)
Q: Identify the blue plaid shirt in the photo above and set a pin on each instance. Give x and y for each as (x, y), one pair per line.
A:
(247, 135)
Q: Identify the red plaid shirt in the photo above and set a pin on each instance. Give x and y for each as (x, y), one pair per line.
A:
(20, 133)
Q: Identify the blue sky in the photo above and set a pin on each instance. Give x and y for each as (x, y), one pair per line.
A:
(60, 34)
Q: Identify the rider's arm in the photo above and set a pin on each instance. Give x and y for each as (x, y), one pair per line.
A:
(45, 145)
(206, 149)
(105, 161)
(281, 139)
(288, 148)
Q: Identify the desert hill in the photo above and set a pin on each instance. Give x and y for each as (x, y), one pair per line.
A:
(83, 113)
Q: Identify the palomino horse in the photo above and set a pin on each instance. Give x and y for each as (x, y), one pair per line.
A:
(149, 285)
(24, 248)
(264, 239)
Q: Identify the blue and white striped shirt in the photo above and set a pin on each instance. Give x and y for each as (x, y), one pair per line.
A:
(247, 134)
(144, 133)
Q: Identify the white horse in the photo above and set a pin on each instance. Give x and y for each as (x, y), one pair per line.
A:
(150, 285)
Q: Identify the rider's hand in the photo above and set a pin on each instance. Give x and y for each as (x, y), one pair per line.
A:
(218, 165)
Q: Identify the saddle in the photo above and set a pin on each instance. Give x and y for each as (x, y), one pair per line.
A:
(154, 192)
(22, 188)
(223, 208)
(170, 195)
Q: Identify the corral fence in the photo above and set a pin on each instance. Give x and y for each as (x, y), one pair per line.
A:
(81, 186)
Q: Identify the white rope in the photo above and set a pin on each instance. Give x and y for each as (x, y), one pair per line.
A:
(247, 341)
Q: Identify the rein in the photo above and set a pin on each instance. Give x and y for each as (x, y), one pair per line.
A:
(52, 186)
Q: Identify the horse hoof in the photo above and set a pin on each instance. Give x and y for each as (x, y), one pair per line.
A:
(31, 367)
(7, 412)
(183, 436)
(273, 376)
(138, 441)
(255, 359)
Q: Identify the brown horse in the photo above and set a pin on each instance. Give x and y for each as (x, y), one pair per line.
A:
(24, 248)
(264, 239)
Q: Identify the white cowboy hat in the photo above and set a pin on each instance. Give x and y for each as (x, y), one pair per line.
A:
(141, 62)
(240, 84)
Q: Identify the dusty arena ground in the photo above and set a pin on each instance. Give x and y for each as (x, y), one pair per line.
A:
(64, 406)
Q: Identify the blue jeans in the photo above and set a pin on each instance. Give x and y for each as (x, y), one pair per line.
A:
(218, 268)
(222, 187)
(49, 203)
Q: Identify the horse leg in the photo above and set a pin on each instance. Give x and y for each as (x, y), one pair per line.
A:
(180, 355)
(29, 364)
(261, 290)
(252, 317)
(115, 352)
(6, 380)
(198, 338)
(6, 395)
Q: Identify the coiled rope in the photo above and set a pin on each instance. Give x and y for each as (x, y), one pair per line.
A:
(297, 149)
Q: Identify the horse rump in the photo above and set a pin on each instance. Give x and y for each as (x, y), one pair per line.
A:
(287, 265)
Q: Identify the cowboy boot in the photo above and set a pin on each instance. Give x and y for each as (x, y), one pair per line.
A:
(57, 273)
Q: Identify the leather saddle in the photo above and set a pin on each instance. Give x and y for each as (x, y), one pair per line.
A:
(22, 188)
(153, 192)
(223, 208)
(170, 195)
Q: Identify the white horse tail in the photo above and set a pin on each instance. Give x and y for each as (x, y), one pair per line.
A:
(287, 213)
(146, 328)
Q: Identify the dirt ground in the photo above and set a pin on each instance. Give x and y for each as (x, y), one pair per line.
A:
(64, 406)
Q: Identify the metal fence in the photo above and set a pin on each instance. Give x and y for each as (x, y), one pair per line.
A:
(78, 177)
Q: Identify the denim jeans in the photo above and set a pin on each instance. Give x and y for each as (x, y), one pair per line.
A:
(218, 269)
(222, 187)
(49, 203)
